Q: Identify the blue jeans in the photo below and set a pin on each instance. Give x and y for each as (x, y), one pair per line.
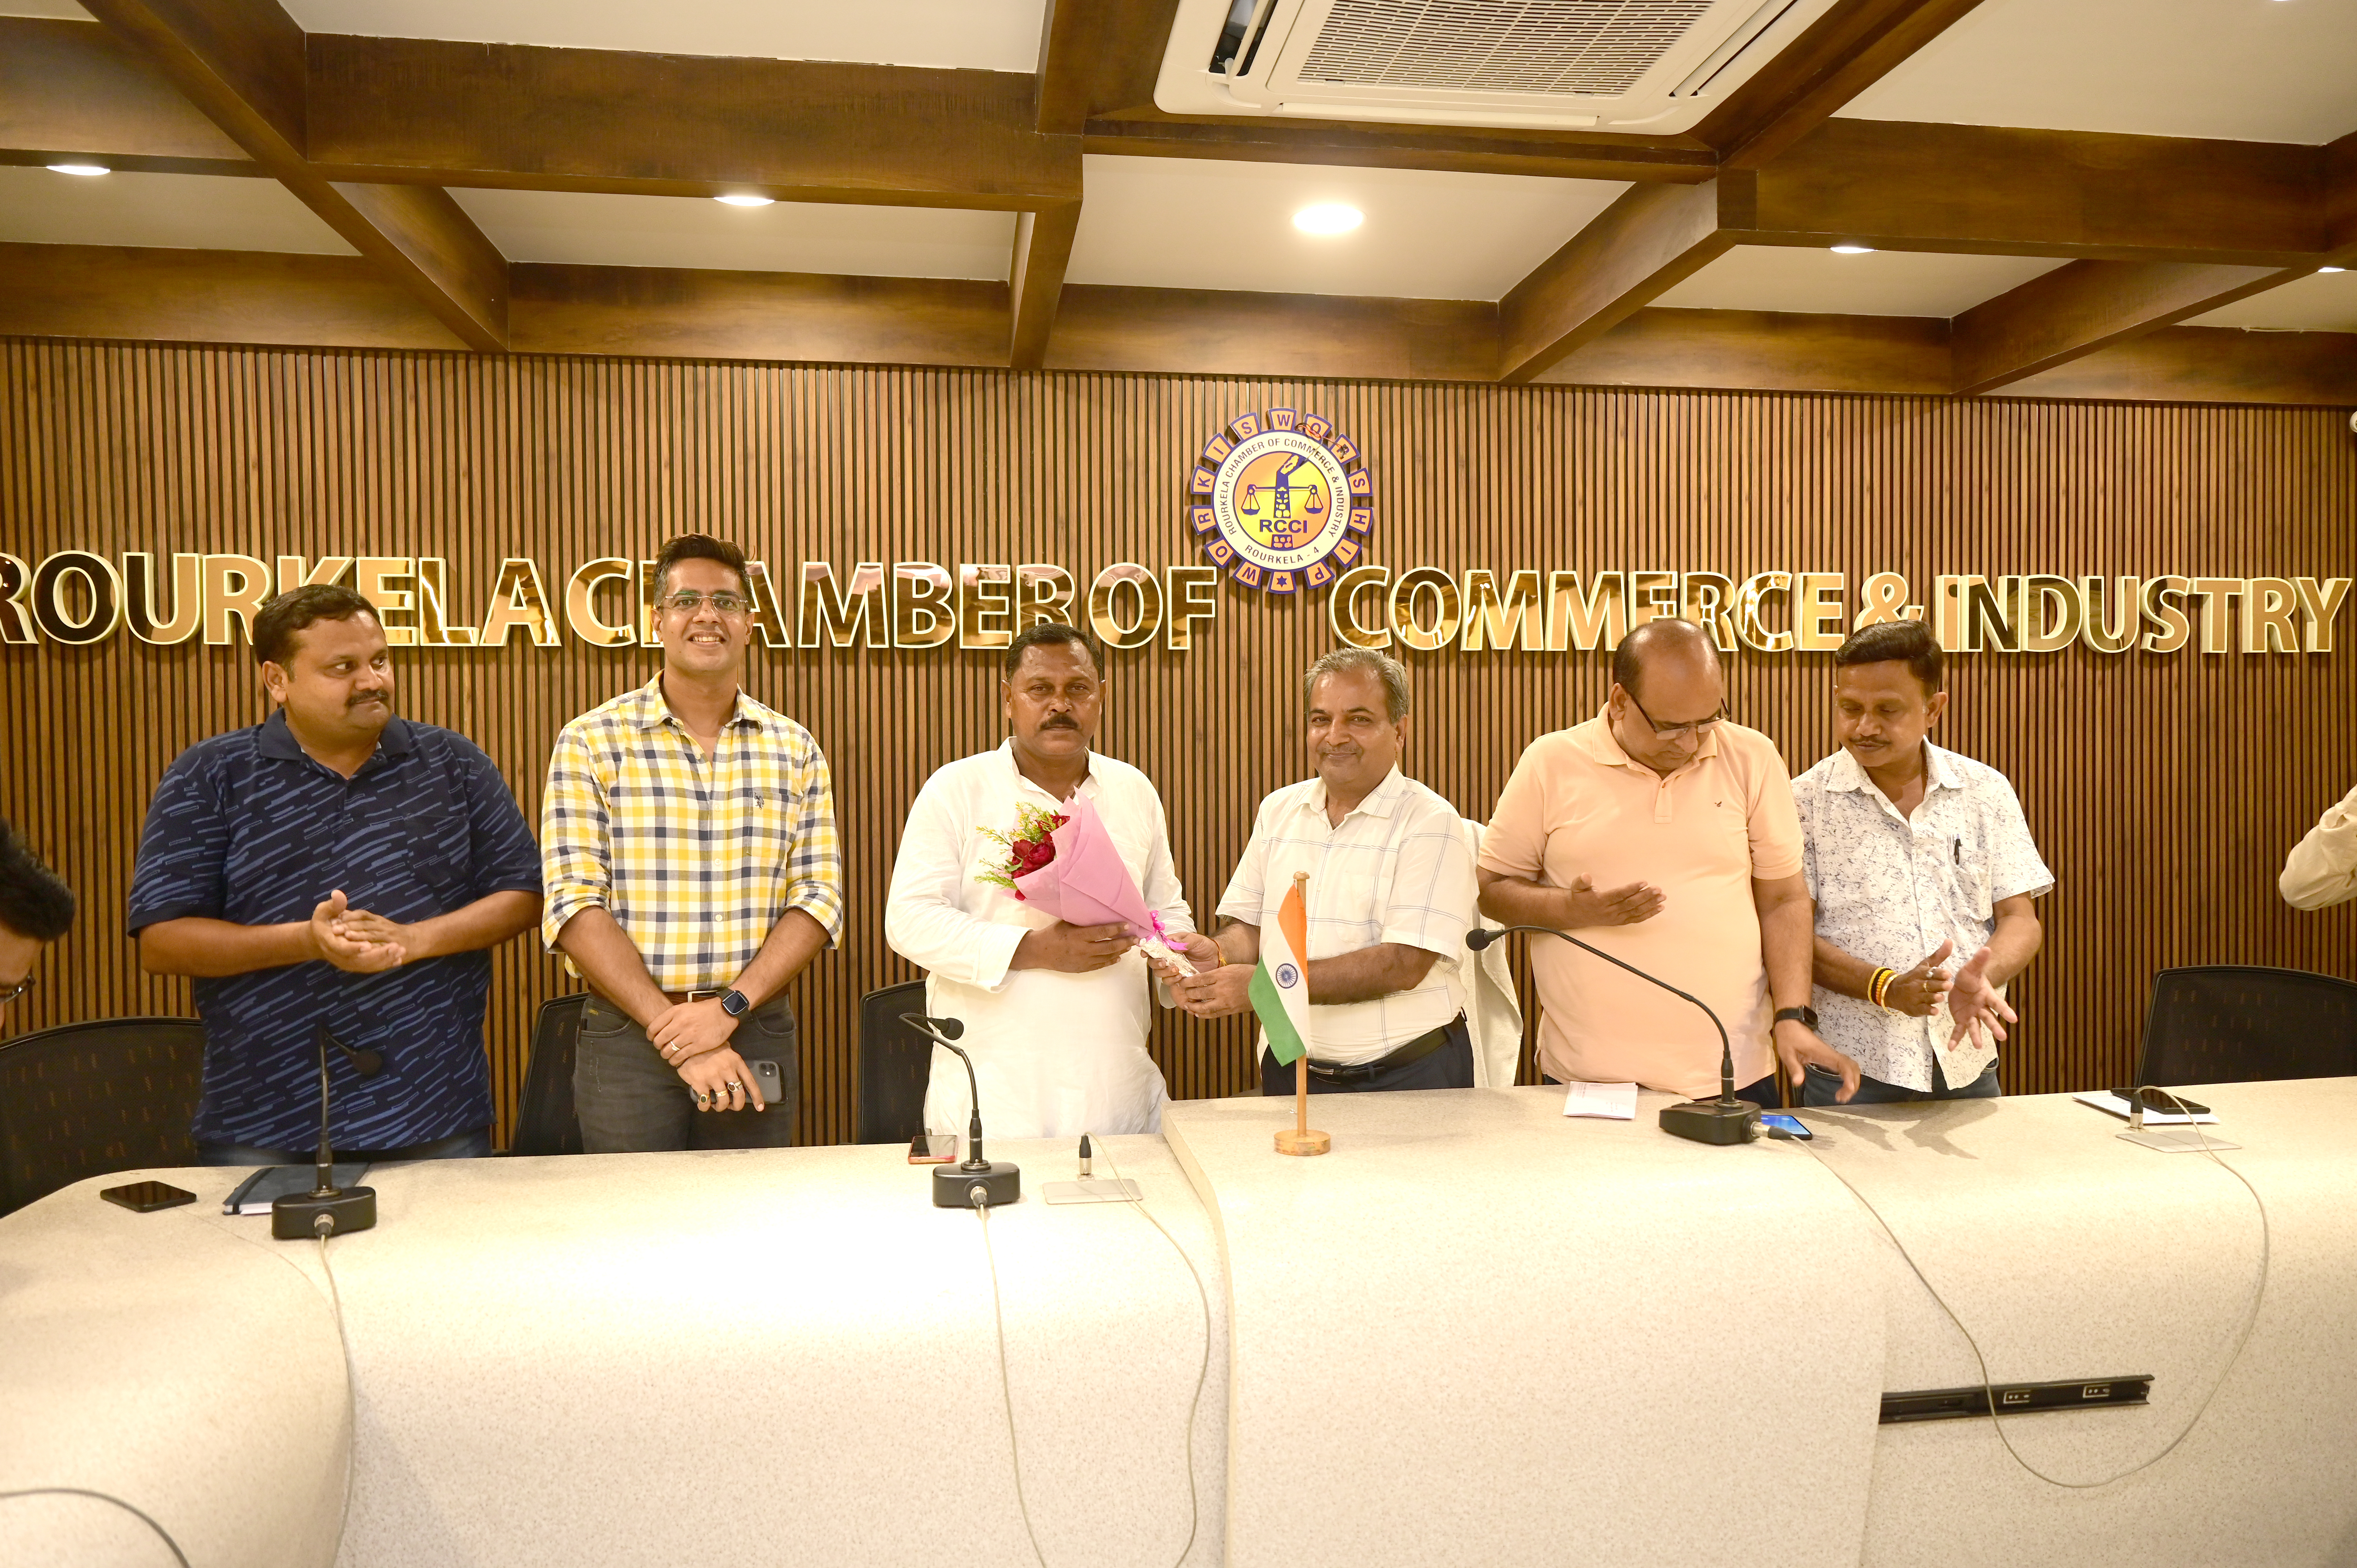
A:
(472, 1145)
(1823, 1086)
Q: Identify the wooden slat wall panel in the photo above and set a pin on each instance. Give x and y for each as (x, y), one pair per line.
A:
(2165, 790)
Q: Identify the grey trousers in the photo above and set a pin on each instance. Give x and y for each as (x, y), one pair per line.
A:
(631, 1101)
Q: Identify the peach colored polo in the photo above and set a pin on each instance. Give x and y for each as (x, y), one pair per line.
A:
(1578, 805)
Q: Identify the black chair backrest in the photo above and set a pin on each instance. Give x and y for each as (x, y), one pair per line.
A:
(88, 1099)
(2237, 1024)
(546, 1123)
(894, 1063)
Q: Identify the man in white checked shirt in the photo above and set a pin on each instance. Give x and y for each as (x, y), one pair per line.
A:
(692, 868)
(1391, 894)
(1923, 871)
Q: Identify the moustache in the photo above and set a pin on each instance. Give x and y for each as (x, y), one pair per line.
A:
(364, 697)
(1060, 724)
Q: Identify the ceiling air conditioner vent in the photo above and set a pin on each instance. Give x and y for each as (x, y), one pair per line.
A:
(1544, 46)
(1650, 65)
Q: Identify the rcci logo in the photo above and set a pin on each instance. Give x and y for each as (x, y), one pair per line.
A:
(1281, 501)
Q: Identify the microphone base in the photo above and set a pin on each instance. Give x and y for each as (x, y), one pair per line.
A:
(296, 1216)
(953, 1186)
(1712, 1121)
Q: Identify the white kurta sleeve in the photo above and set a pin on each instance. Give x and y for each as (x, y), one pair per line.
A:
(924, 919)
(1160, 884)
(2322, 869)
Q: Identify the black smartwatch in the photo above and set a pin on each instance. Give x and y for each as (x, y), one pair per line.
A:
(1806, 1017)
(736, 1006)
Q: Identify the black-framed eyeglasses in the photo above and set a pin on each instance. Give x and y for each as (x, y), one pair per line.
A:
(687, 601)
(14, 991)
(1677, 732)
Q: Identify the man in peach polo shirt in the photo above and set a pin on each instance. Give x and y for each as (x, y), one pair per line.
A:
(1663, 834)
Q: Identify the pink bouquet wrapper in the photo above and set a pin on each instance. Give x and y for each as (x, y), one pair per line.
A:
(1087, 884)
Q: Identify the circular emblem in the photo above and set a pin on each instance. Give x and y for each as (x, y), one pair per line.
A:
(1281, 501)
(1286, 975)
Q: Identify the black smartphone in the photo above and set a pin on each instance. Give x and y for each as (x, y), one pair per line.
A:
(1791, 1126)
(2163, 1102)
(145, 1196)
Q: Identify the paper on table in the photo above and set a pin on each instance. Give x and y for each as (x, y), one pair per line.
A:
(2105, 1100)
(1613, 1101)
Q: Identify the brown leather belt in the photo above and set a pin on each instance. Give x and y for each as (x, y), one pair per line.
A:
(675, 997)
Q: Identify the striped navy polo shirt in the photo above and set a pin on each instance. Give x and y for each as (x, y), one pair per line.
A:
(247, 828)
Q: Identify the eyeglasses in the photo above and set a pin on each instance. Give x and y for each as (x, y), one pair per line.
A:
(15, 991)
(1675, 732)
(687, 601)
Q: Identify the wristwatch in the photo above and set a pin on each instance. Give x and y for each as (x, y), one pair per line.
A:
(1805, 1016)
(736, 1006)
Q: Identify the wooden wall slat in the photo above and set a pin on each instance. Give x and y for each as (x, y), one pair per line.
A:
(2164, 790)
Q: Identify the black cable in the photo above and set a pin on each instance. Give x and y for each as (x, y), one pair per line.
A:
(1988, 1390)
(141, 1514)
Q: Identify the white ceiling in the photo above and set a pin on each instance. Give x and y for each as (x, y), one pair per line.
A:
(2325, 303)
(1189, 223)
(696, 231)
(187, 213)
(1881, 283)
(2262, 70)
(982, 35)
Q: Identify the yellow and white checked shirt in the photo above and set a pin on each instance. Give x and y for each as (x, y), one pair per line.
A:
(696, 859)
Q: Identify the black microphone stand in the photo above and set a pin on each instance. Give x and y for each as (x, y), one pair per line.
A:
(1727, 1120)
(975, 1182)
(323, 1211)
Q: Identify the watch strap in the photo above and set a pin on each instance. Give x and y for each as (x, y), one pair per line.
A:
(1805, 1016)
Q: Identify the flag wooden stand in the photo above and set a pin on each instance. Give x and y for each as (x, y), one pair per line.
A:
(1301, 1138)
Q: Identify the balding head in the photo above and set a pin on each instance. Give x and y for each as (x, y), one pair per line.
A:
(1662, 645)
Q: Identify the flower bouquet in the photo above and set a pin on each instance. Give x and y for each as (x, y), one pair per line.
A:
(1064, 863)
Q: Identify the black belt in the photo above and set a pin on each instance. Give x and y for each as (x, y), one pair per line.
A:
(1416, 1050)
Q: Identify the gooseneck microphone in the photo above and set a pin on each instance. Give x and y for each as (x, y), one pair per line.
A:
(975, 1182)
(323, 1211)
(1725, 1119)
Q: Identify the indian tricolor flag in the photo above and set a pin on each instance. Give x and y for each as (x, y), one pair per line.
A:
(1280, 985)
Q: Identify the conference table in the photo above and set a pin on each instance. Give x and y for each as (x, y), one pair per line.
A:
(1476, 1332)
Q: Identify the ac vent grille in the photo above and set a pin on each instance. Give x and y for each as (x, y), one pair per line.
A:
(1581, 47)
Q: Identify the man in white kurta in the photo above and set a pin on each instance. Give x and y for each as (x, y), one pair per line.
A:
(1056, 1015)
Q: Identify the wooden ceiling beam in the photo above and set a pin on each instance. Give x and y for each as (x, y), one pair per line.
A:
(1854, 45)
(341, 302)
(1447, 149)
(72, 87)
(1043, 249)
(2089, 306)
(241, 64)
(607, 120)
(1097, 56)
(1653, 238)
(1981, 190)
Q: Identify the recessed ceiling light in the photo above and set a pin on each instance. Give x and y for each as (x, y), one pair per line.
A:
(79, 169)
(1328, 217)
(1853, 250)
(746, 198)
(2332, 269)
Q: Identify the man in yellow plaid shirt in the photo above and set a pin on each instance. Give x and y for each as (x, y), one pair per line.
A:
(692, 867)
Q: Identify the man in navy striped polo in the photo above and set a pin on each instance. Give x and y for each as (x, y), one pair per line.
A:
(335, 865)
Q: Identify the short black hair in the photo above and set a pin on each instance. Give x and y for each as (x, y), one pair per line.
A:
(700, 547)
(34, 900)
(1889, 640)
(1629, 655)
(1051, 634)
(287, 615)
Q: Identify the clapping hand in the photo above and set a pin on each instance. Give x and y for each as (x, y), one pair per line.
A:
(353, 939)
(1975, 1007)
(1918, 992)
